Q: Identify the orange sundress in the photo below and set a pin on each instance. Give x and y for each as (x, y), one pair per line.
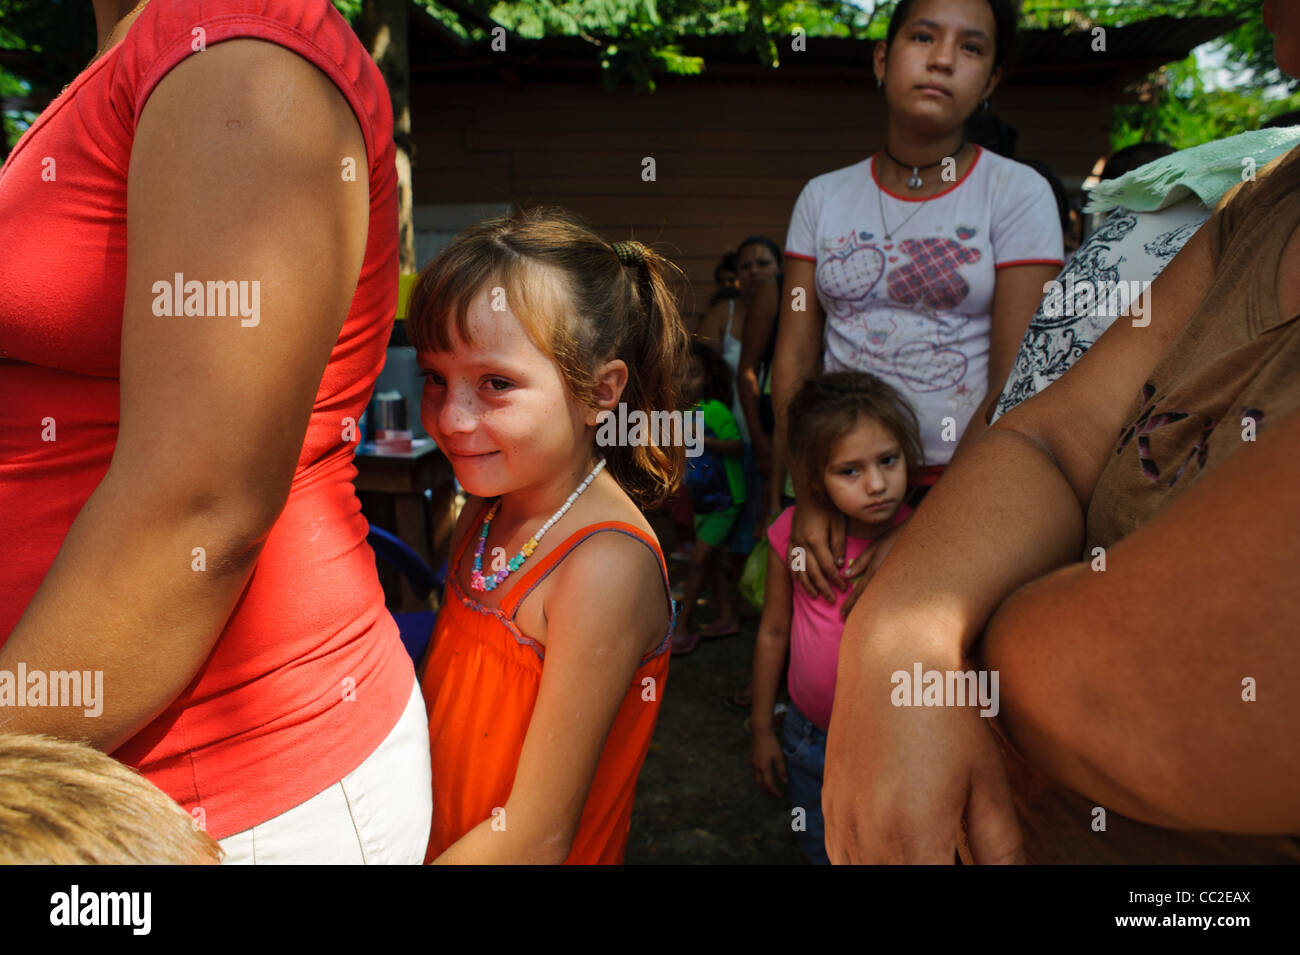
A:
(480, 686)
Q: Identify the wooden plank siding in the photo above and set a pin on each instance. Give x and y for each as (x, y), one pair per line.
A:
(730, 155)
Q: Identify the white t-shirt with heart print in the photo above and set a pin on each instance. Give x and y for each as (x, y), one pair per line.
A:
(914, 309)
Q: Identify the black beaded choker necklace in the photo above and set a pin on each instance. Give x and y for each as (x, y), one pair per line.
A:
(914, 180)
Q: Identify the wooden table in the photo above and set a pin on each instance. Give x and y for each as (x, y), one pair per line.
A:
(391, 487)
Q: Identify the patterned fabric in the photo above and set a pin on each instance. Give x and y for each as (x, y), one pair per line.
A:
(1206, 171)
(1232, 373)
(1128, 247)
(932, 277)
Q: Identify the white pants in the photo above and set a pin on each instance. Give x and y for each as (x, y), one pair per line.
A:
(378, 814)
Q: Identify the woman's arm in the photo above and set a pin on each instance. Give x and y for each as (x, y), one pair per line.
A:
(777, 471)
(1021, 508)
(799, 340)
(607, 605)
(798, 357)
(1017, 291)
(1015, 298)
(760, 317)
(1127, 684)
(1011, 510)
(234, 176)
(713, 324)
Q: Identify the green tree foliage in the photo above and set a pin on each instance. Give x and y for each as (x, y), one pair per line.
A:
(44, 43)
(635, 40)
(1175, 104)
(1176, 107)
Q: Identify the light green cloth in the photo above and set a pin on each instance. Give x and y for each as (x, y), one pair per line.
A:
(1206, 171)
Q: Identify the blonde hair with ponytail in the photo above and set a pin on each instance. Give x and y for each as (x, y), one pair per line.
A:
(582, 302)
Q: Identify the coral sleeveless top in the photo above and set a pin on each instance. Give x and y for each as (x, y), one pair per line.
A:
(480, 686)
(308, 675)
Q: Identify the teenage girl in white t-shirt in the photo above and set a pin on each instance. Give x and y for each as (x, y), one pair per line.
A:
(922, 264)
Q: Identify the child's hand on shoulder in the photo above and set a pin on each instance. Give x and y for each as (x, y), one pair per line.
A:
(865, 565)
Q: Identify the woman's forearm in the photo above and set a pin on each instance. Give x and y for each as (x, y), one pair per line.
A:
(776, 477)
(794, 363)
(747, 376)
(140, 591)
(1003, 515)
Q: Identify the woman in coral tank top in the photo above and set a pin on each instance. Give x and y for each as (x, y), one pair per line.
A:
(197, 289)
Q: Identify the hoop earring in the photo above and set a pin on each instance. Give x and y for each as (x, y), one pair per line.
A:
(984, 105)
(880, 84)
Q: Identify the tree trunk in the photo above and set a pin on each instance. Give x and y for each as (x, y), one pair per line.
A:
(383, 29)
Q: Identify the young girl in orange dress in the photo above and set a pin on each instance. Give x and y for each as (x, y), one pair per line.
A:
(548, 662)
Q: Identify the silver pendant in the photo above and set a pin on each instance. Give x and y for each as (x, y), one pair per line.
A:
(914, 182)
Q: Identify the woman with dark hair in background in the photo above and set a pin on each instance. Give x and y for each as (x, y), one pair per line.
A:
(760, 263)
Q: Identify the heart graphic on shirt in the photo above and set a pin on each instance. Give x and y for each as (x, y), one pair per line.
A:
(932, 277)
(893, 258)
(851, 277)
(925, 366)
(890, 246)
(965, 232)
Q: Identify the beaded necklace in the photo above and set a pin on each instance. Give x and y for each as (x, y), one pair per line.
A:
(492, 581)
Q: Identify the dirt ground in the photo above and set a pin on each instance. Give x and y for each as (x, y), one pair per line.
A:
(696, 801)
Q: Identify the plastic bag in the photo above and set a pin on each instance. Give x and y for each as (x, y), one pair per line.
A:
(753, 578)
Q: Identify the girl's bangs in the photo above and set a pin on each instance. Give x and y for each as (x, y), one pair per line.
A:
(442, 299)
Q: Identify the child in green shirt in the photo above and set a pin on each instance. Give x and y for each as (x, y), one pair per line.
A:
(715, 480)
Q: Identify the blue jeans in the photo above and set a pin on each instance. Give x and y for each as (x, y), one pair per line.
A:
(804, 747)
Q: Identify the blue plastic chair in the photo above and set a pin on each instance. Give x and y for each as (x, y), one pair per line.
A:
(416, 628)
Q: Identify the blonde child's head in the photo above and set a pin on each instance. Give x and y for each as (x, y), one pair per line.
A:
(528, 327)
(856, 442)
(64, 803)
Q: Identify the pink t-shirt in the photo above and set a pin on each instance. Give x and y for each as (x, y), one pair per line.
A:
(816, 628)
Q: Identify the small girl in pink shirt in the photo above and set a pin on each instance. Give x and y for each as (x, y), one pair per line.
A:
(860, 446)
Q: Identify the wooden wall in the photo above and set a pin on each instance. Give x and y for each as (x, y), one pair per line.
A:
(731, 155)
